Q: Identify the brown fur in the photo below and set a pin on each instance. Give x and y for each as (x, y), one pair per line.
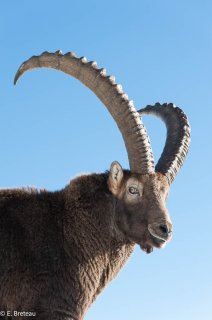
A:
(58, 250)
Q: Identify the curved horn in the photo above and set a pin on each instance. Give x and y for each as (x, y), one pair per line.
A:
(177, 140)
(123, 111)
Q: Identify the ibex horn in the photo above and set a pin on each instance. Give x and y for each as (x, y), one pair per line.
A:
(111, 94)
(177, 140)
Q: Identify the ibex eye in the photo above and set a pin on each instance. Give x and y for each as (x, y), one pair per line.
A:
(133, 190)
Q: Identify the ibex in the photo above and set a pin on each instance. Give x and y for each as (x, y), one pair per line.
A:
(58, 250)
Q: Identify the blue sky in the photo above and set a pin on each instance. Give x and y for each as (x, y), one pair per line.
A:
(53, 128)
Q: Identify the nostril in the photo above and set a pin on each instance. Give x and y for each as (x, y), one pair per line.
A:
(164, 228)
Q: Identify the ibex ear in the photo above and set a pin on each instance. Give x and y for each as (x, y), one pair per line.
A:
(115, 177)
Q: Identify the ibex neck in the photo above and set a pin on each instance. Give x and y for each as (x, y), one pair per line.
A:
(101, 252)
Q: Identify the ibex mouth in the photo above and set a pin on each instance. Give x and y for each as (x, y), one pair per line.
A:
(155, 235)
(159, 235)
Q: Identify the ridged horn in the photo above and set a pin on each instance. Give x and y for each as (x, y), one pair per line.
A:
(117, 102)
(177, 140)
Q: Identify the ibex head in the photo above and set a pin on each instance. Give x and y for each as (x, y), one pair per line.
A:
(140, 206)
(140, 194)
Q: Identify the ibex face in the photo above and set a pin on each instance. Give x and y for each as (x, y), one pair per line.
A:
(140, 207)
